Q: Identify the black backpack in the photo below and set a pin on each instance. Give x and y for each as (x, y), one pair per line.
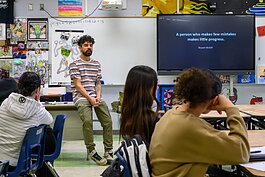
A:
(132, 159)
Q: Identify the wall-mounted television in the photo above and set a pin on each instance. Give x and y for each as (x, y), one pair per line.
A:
(222, 43)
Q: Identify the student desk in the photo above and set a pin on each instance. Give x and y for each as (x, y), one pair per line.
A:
(51, 97)
(60, 106)
(73, 124)
(256, 138)
(219, 120)
(257, 113)
(256, 110)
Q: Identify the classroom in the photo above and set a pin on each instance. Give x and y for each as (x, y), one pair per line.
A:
(227, 37)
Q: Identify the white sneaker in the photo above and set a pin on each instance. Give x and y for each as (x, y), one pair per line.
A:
(108, 155)
(97, 158)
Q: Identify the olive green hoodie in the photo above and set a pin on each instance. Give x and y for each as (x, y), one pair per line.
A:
(184, 145)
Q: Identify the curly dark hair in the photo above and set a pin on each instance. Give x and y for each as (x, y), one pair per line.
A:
(28, 82)
(85, 38)
(197, 86)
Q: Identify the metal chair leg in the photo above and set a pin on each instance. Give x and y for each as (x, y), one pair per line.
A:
(51, 168)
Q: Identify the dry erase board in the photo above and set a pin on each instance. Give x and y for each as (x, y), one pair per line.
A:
(120, 44)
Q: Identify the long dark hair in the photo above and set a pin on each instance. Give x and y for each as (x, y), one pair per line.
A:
(139, 93)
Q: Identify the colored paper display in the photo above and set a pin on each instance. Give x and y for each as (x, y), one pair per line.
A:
(70, 7)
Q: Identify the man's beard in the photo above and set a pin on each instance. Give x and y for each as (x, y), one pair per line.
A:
(87, 53)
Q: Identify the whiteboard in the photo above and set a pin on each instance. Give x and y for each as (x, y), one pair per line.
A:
(120, 44)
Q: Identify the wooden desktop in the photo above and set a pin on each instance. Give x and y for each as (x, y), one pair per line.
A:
(256, 139)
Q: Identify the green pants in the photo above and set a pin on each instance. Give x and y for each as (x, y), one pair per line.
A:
(86, 115)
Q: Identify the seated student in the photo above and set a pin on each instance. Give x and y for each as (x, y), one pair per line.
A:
(19, 112)
(7, 85)
(137, 115)
(183, 144)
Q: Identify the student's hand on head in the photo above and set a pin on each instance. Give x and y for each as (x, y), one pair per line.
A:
(220, 103)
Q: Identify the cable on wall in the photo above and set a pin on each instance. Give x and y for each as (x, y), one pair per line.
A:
(86, 16)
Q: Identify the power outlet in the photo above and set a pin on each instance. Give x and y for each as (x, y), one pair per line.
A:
(41, 6)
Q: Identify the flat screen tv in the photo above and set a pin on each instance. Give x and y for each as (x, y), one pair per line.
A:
(222, 43)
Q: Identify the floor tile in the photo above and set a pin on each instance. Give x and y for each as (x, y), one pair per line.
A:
(72, 160)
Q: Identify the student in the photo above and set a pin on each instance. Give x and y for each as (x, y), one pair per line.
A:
(137, 115)
(7, 85)
(19, 112)
(86, 87)
(183, 144)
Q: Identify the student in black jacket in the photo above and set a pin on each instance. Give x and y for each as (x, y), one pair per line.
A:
(7, 85)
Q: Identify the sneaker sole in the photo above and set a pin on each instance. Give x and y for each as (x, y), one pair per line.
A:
(100, 163)
(109, 161)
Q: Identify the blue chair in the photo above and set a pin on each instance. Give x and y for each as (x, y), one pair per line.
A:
(58, 133)
(27, 162)
(4, 168)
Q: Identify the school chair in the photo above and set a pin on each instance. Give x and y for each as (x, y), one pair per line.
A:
(4, 168)
(58, 133)
(27, 162)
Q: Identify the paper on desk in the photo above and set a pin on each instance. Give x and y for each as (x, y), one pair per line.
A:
(262, 149)
(256, 165)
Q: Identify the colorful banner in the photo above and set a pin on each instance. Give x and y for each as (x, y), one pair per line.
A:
(70, 8)
(154, 7)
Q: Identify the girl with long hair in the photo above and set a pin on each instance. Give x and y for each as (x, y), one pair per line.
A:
(137, 115)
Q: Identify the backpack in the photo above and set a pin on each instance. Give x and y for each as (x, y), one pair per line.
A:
(132, 159)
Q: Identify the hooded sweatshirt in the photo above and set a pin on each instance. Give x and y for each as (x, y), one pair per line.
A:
(17, 114)
(184, 145)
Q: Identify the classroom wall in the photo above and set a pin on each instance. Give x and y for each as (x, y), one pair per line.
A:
(110, 93)
(134, 8)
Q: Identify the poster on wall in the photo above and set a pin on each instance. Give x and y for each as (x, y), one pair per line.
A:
(18, 30)
(37, 61)
(70, 8)
(261, 74)
(2, 31)
(34, 45)
(64, 51)
(150, 8)
(37, 29)
(19, 67)
(6, 52)
(7, 65)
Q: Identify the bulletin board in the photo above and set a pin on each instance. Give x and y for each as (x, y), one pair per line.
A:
(120, 44)
(260, 50)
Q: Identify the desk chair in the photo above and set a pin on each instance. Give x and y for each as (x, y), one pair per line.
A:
(4, 168)
(27, 163)
(58, 133)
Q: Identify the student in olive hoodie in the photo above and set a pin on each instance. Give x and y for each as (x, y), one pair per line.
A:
(183, 144)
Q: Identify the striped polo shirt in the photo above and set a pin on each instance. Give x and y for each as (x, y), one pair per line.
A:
(88, 72)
